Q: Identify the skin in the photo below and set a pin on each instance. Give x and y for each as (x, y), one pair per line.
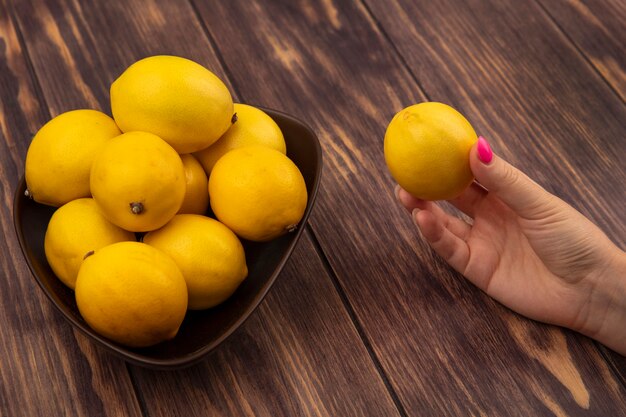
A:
(530, 251)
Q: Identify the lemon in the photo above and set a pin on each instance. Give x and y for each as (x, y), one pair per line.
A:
(427, 150)
(60, 155)
(76, 230)
(174, 98)
(138, 181)
(196, 191)
(208, 253)
(257, 192)
(251, 126)
(132, 293)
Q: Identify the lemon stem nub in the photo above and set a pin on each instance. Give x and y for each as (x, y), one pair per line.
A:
(136, 208)
(28, 194)
(234, 119)
(292, 227)
(88, 254)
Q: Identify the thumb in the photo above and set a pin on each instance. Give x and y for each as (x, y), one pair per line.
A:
(509, 184)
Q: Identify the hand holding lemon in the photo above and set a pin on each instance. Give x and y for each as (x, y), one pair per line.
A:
(524, 247)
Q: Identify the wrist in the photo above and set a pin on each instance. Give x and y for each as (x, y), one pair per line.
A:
(607, 308)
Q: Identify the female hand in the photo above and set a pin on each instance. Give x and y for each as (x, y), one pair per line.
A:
(529, 250)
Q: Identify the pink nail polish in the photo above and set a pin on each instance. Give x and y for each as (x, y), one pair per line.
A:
(485, 154)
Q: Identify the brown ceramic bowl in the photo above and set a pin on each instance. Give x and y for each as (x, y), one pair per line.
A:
(201, 331)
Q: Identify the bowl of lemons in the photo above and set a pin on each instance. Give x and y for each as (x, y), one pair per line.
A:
(158, 231)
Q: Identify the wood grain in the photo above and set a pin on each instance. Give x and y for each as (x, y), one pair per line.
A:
(528, 91)
(300, 353)
(46, 368)
(446, 348)
(598, 29)
(545, 109)
(297, 356)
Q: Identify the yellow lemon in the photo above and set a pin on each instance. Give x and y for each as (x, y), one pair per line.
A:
(208, 253)
(138, 181)
(196, 191)
(60, 155)
(174, 98)
(76, 230)
(251, 126)
(427, 150)
(132, 293)
(257, 192)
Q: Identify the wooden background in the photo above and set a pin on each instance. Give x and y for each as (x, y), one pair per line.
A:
(365, 320)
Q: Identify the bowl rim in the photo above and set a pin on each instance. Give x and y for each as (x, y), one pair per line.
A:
(199, 354)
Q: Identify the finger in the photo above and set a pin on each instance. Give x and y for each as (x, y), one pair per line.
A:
(457, 226)
(509, 184)
(470, 199)
(450, 247)
(409, 202)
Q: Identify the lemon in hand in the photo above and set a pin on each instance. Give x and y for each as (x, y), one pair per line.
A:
(257, 192)
(251, 126)
(76, 230)
(132, 293)
(196, 191)
(427, 150)
(177, 99)
(138, 181)
(208, 253)
(60, 155)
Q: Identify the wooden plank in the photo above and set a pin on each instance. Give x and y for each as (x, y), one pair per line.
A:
(46, 368)
(300, 354)
(295, 357)
(598, 29)
(522, 81)
(446, 348)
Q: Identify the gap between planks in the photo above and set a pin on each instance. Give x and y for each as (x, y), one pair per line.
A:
(357, 325)
(318, 248)
(46, 113)
(601, 349)
(580, 52)
(385, 35)
(395, 49)
(604, 353)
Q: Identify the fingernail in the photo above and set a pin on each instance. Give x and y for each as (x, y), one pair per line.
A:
(485, 154)
(396, 191)
(414, 215)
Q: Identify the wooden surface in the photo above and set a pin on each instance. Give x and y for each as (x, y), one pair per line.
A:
(365, 320)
